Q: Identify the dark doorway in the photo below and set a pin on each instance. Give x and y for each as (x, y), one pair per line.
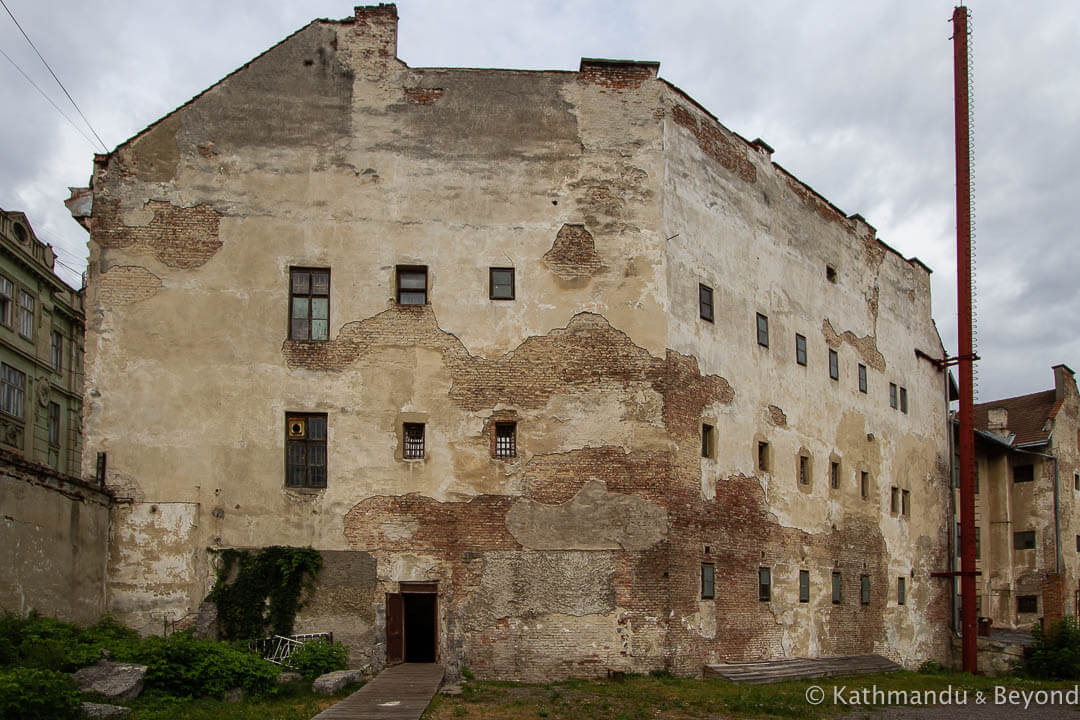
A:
(420, 626)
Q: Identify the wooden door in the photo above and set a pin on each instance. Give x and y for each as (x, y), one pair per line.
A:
(395, 628)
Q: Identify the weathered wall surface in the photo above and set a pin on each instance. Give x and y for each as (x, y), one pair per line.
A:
(53, 539)
(581, 553)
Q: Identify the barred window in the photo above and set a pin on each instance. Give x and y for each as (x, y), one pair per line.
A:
(309, 297)
(7, 300)
(1027, 604)
(412, 437)
(505, 439)
(306, 450)
(26, 315)
(54, 424)
(12, 388)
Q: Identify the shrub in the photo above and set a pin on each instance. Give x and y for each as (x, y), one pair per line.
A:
(317, 657)
(183, 665)
(1055, 652)
(48, 644)
(29, 694)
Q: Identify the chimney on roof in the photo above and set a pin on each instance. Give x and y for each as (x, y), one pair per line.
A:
(1063, 374)
(376, 31)
(997, 421)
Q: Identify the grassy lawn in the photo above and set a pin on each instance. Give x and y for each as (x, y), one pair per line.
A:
(671, 698)
(295, 704)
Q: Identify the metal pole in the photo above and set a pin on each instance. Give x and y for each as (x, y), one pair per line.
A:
(964, 331)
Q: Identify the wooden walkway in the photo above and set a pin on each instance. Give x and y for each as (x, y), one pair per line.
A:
(400, 692)
(770, 671)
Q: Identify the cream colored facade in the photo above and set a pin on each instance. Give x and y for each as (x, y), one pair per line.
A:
(614, 197)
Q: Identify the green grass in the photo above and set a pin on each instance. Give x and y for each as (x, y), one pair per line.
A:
(295, 704)
(671, 698)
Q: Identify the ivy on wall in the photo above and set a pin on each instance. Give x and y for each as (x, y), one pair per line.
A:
(258, 592)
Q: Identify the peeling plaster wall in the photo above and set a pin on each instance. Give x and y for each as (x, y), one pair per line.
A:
(582, 553)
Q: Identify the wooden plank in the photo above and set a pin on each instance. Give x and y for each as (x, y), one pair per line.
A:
(400, 692)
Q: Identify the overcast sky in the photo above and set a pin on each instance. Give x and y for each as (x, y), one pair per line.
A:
(855, 96)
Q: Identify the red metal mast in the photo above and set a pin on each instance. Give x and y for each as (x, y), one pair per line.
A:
(966, 354)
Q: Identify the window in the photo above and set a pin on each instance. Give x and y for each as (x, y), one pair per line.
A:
(836, 588)
(864, 485)
(1023, 473)
(762, 330)
(804, 470)
(7, 300)
(894, 500)
(501, 284)
(1078, 543)
(862, 378)
(57, 350)
(905, 502)
(305, 438)
(763, 456)
(505, 439)
(830, 273)
(1027, 604)
(705, 302)
(764, 584)
(1024, 540)
(309, 297)
(800, 349)
(12, 387)
(901, 590)
(864, 589)
(804, 586)
(412, 438)
(892, 395)
(1076, 481)
(708, 576)
(978, 544)
(834, 475)
(708, 440)
(834, 365)
(411, 285)
(54, 424)
(903, 400)
(26, 315)
(978, 606)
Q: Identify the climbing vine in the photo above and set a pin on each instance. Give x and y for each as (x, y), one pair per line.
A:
(259, 592)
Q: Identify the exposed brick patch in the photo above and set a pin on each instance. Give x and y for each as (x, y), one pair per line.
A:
(180, 237)
(423, 95)
(816, 203)
(777, 416)
(573, 255)
(447, 529)
(865, 346)
(126, 284)
(1053, 598)
(616, 75)
(376, 25)
(715, 143)
(557, 478)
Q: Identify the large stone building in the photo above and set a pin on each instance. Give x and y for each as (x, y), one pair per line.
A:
(1027, 507)
(560, 374)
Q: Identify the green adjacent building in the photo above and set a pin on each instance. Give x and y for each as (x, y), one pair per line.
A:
(41, 348)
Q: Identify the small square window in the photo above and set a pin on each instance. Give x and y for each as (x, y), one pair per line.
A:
(892, 395)
(864, 589)
(412, 284)
(901, 590)
(862, 378)
(705, 302)
(764, 584)
(708, 440)
(501, 286)
(834, 475)
(412, 438)
(834, 365)
(1027, 604)
(505, 439)
(905, 502)
(305, 450)
(708, 577)
(762, 330)
(309, 304)
(903, 399)
(894, 500)
(763, 456)
(800, 349)
(837, 595)
(1023, 473)
(1024, 540)
(864, 485)
(804, 586)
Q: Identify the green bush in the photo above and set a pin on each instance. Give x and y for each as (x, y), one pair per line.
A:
(317, 657)
(182, 665)
(1055, 653)
(29, 694)
(48, 644)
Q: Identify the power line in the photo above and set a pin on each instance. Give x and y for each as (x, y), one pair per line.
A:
(76, 106)
(62, 113)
